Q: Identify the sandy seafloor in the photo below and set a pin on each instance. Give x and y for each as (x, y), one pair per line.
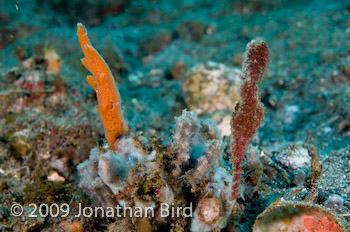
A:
(305, 90)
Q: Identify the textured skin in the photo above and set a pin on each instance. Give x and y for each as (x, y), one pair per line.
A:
(248, 112)
(107, 94)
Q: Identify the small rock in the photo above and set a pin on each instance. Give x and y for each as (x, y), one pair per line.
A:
(237, 60)
(291, 113)
(209, 210)
(346, 70)
(178, 70)
(294, 157)
(344, 126)
(334, 202)
(298, 177)
(224, 126)
(55, 177)
(3, 186)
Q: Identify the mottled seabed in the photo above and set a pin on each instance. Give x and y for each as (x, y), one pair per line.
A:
(167, 56)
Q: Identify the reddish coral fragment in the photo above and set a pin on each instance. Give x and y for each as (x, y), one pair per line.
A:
(248, 112)
(311, 224)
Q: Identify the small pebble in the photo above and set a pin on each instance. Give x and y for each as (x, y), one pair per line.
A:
(334, 202)
(55, 177)
(298, 177)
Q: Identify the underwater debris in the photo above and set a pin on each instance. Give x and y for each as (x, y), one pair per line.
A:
(273, 169)
(334, 202)
(92, 183)
(199, 141)
(184, 137)
(134, 176)
(106, 172)
(178, 69)
(214, 208)
(295, 160)
(248, 112)
(211, 90)
(196, 151)
(209, 210)
(53, 61)
(103, 83)
(293, 157)
(210, 87)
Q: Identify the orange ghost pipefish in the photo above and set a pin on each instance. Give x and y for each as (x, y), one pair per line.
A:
(109, 103)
